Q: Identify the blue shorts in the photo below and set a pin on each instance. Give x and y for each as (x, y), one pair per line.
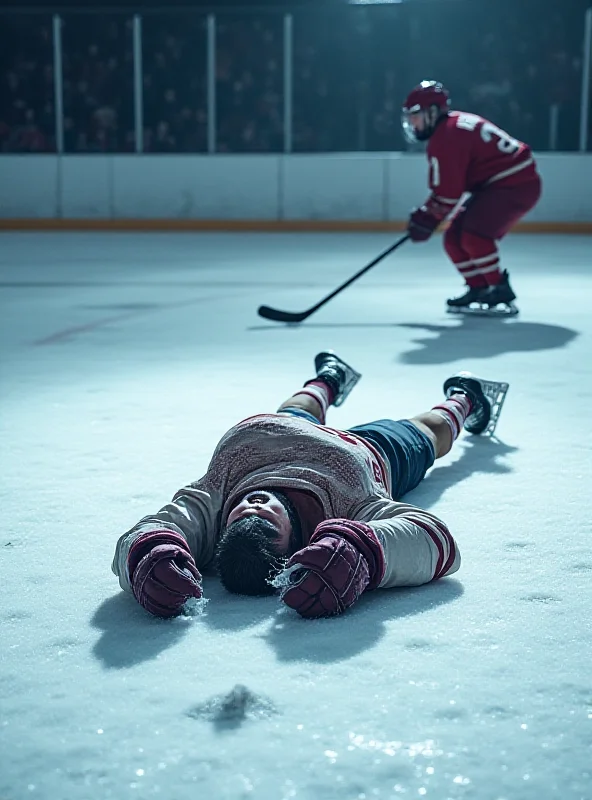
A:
(408, 451)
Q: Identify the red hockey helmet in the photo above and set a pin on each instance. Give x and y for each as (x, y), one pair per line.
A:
(431, 101)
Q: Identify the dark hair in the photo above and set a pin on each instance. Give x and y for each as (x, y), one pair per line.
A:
(247, 556)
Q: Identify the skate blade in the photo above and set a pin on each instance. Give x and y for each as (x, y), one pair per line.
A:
(476, 310)
(495, 392)
(351, 380)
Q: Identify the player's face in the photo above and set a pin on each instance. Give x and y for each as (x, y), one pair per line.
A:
(418, 121)
(265, 505)
(413, 125)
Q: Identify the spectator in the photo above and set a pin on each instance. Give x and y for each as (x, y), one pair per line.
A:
(175, 105)
(351, 68)
(98, 83)
(27, 122)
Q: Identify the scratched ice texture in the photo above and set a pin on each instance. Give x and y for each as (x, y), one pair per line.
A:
(124, 357)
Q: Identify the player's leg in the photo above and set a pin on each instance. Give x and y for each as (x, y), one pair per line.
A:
(494, 210)
(333, 382)
(464, 262)
(491, 215)
(484, 260)
(412, 445)
(471, 403)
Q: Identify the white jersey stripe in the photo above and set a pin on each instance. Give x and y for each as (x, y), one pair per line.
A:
(449, 201)
(441, 538)
(511, 171)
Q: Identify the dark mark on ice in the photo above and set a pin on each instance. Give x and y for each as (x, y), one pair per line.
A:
(581, 567)
(545, 599)
(230, 710)
(518, 545)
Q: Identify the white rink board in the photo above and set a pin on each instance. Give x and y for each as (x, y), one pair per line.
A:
(29, 186)
(567, 188)
(195, 187)
(340, 187)
(87, 187)
(365, 187)
(407, 183)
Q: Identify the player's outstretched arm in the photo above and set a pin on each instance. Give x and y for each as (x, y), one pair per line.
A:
(343, 559)
(162, 573)
(418, 546)
(158, 559)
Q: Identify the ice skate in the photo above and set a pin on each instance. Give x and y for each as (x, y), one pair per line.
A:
(337, 374)
(460, 305)
(487, 398)
(492, 301)
(500, 299)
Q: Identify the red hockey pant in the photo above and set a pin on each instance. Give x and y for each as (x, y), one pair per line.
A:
(487, 216)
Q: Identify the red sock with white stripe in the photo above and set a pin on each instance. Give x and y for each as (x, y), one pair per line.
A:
(321, 392)
(483, 265)
(455, 410)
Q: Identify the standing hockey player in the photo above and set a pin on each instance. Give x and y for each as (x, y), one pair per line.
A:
(467, 153)
(289, 504)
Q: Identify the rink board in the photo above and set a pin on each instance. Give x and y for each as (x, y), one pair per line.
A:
(370, 191)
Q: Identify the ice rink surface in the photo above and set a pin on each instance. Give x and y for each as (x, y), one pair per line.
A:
(124, 358)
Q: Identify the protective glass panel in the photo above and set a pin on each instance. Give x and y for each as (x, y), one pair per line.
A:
(174, 54)
(350, 76)
(27, 117)
(249, 83)
(521, 66)
(98, 83)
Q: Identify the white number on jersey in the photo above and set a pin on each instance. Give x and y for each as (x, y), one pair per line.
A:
(468, 122)
(506, 143)
(434, 172)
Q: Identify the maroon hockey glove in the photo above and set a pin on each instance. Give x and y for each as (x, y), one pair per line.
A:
(343, 559)
(421, 224)
(162, 573)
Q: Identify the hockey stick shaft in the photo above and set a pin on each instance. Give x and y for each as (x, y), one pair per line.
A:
(288, 316)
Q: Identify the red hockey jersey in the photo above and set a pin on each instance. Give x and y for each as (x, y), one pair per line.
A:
(467, 152)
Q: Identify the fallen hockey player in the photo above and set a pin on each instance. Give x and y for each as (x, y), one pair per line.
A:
(289, 505)
(467, 153)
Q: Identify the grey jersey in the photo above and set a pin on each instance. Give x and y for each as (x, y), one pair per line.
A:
(348, 478)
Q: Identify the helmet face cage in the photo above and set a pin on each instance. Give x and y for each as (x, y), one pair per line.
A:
(430, 116)
(430, 99)
(411, 133)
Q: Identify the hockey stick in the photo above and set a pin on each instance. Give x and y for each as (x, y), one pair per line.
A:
(299, 316)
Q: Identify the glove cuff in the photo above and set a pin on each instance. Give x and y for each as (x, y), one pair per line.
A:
(363, 538)
(427, 217)
(146, 541)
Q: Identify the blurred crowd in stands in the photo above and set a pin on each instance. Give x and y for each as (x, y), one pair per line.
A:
(351, 69)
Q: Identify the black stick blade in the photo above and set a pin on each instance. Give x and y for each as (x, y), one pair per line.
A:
(294, 318)
(276, 315)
